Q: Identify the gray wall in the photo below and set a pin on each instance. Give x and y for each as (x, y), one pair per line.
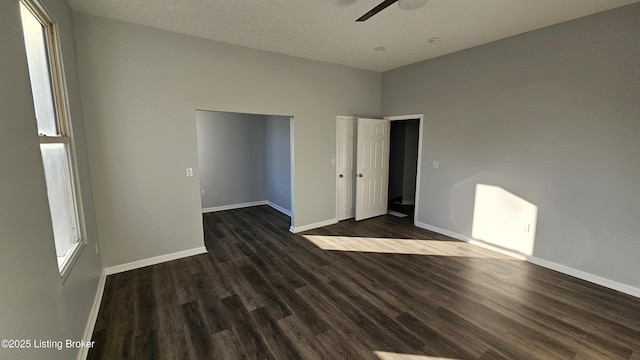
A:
(551, 116)
(231, 155)
(140, 89)
(35, 302)
(278, 160)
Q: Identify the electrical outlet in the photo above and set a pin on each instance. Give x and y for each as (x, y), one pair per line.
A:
(97, 251)
(281, 191)
(202, 192)
(526, 228)
(435, 164)
(189, 172)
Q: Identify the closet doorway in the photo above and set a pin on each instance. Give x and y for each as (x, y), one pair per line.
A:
(403, 167)
(402, 163)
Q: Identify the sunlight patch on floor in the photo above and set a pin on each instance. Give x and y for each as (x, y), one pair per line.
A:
(383, 355)
(400, 246)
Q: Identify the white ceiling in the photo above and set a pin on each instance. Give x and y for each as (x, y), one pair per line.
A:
(326, 30)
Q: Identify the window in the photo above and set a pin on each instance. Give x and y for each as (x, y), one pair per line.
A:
(49, 101)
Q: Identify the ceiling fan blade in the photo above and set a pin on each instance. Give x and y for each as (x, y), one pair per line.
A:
(383, 5)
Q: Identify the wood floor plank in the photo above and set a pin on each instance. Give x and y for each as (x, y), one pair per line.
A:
(371, 292)
(386, 287)
(438, 343)
(199, 335)
(172, 345)
(146, 346)
(106, 306)
(345, 349)
(272, 336)
(269, 263)
(181, 276)
(276, 307)
(145, 318)
(226, 346)
(250, 297)
(210, 303)
(492, 355)
(212, 279)
(356, 324)
(118, 336)
(98, 351)
(244, 329)
(380, 319)
(304, 340)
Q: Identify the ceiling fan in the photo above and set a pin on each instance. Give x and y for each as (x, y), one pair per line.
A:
(403, 4)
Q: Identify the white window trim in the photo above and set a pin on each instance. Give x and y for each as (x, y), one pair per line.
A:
(61, 102)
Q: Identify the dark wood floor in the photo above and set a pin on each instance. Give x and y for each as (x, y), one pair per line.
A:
(264, 293)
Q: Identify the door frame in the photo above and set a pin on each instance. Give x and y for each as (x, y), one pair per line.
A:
(420, 117)
(292, 138)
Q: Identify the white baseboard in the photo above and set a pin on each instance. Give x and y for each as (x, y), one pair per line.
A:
(279, 208)
(623, 288)
(442, 231)
(598, 280)
(93, 316)
(234, 206)
(248, 204)
(471, 240)
(302, 228)
(154, 260)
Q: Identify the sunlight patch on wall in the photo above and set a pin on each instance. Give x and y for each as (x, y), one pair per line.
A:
(400, 246)
(503, 219)
(383, 355)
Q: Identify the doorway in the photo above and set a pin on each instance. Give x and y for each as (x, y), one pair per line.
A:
(403, 167)
(245, 160)
(347, 152)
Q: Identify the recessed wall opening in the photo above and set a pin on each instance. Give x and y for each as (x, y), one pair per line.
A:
(403, 166)
(245, 160)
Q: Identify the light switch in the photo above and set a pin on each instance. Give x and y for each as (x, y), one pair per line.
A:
(189, 172)
(333, 162)
(436, 164)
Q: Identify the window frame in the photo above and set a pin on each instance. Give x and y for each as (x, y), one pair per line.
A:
(65, 134)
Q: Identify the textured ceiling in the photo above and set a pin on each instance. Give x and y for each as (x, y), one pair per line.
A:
(326, 30)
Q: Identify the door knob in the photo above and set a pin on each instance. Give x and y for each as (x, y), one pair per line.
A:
(359, 175)
(341, 175)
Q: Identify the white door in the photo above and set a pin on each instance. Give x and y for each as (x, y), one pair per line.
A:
(346, 168)
(372, 168)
